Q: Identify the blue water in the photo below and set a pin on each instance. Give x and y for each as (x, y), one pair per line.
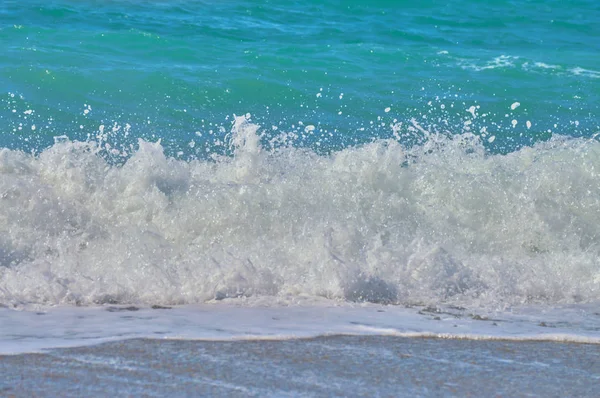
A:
(170, 69)
(395, 152)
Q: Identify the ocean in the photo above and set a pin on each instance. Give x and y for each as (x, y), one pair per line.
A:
(204, 170)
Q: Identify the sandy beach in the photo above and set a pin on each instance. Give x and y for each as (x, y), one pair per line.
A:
(325, 366)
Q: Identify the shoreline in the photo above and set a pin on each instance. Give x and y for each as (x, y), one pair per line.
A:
(28, 332)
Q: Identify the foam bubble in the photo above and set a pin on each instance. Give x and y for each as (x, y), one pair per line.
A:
(442, 222)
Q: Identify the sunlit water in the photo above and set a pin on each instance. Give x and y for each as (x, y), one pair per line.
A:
(442, 158)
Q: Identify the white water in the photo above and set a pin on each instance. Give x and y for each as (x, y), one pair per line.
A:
(29, 331)
(441, 223)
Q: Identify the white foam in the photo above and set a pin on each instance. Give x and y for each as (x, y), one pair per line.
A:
(28, 331)
(499, 62)
(585, 72)
(509, 62)
(445, 222)
(546, 66)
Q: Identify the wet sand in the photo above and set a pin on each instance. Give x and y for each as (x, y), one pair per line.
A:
(326, 366)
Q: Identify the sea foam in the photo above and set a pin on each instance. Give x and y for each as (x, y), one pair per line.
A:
(441, 222)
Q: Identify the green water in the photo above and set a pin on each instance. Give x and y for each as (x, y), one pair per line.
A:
(179, 70)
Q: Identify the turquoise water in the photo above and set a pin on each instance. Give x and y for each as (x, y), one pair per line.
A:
(388, 151)
(171, 69)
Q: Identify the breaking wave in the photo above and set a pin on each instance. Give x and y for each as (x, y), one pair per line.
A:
(441, 222)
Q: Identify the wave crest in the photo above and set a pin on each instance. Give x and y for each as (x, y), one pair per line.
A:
(441, 222)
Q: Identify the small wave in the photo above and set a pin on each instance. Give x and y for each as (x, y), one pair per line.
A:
(509, 62)
(585, 72)
(500, 62)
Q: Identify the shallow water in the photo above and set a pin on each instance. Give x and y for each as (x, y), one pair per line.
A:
(269, 318)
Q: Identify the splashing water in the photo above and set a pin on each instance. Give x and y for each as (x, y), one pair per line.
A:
(443, 222)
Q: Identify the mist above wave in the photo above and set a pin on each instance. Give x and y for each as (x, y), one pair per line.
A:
(440, 222)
